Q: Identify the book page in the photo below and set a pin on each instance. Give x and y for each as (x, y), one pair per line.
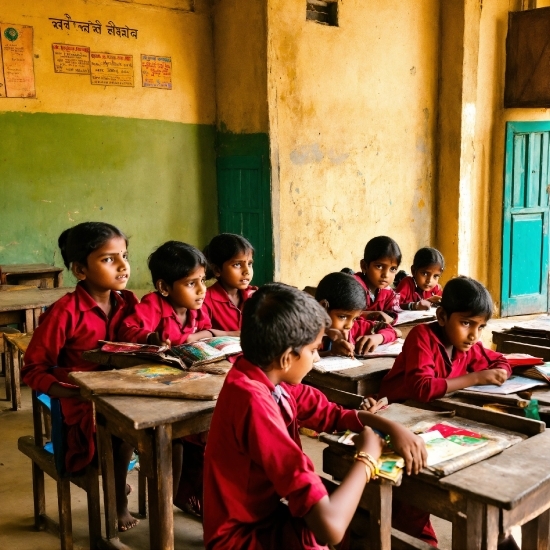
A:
(335, 363)
(512, 385)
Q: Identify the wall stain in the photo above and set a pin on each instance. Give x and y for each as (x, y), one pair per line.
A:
(307, 154)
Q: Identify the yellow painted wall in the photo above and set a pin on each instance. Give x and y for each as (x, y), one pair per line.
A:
(241, 65)
(187, 37)
(352, 125)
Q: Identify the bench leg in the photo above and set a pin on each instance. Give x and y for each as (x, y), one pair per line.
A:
(38, 495)
(142, 494)
(9, 368)
(105, 451)
(535, 533)
(65, 518)
(94, 511)
(16, 381)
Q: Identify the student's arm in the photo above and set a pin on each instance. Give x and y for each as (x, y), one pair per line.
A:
(210, 333)
(331, 516)
(143, 322)
(481, 378)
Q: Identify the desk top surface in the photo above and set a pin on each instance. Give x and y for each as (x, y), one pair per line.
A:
(21, 341)
(31, 298)
(148, 412)
(370, 367)
(21, 269)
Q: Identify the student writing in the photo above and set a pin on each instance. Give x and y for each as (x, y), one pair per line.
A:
(96, 253)
(254, 456)
(421, 290)
(231, 260)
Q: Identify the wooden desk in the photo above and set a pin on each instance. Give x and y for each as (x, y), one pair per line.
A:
(468, 498)
(150, 424)
(23, 307)
(364, 380)
(16, 346)
(42, 275)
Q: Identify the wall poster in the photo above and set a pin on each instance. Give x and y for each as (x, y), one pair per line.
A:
(17, 68)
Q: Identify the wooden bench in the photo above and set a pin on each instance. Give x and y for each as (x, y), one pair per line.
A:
(41, 275)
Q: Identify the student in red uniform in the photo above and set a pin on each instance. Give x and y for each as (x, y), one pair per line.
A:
(173, 313)
(442, 357)
(230, 259)
(254, 456)
(96, 254)
(379, 266)
(421, 290)
(344, 300)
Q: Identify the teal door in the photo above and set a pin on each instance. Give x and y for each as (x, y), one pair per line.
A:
(244, 199)
(525, 219)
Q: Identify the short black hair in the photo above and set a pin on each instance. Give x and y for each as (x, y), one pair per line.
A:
(347, 270)
(428, 256)
(341, 291)
(276, 318)
(78, 242)
(382, 247)
(174, 260)
(466, 295)
(223, 247)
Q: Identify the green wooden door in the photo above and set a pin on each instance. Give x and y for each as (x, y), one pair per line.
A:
(525, 219)
(244, 200)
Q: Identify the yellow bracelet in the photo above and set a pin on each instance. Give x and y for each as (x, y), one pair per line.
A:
(368, 467)
(370, 459)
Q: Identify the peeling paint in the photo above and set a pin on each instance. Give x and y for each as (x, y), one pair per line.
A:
(308, 154)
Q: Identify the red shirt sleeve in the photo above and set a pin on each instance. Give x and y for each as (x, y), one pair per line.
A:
(145, 319)
(481, 358)
(364, 327)
(405, 289)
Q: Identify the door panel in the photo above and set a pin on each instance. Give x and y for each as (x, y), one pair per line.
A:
(525, 219)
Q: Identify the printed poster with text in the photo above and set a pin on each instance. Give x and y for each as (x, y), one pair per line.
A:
(111, 69)
(16, 61)
(156, 71)
(71, 59)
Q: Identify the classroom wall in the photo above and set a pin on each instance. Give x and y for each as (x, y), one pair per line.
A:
(140, 158)
(352, 112)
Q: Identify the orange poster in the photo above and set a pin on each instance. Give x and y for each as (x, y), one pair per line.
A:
(156, 71)
(17, 60)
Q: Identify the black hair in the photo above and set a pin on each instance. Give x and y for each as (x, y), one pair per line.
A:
(347, 270)
(276, 318)
(223, 247)
(341, 291)
(400, 275)
(78, 242)
(428, 256)
(382, 247)
(174, 260)
(466, 295)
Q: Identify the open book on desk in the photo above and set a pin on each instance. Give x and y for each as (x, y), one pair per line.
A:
(195, 354)
(393, 349)
(512, 385)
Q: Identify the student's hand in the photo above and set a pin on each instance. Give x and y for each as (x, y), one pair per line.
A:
(342, 347)
(423, 305)
(492, 376)
(154, 340)
(434, 300)
(371, 405)
(368, 343)
(368, 442)
(409, 446)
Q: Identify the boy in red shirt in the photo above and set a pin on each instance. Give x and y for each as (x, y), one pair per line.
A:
(253, 455)
(442, 357)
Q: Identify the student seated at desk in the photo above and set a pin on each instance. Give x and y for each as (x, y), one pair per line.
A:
(442, 357)
(344, 300)
(254, 457)
(230, 259)
(96, 254)
(379, 265)
(421, 290)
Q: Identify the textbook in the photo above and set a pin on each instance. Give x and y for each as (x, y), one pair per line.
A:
(538, 372)
(333, 363)
(512, 385)
(195, 354)
(522, 360)
(393, 349)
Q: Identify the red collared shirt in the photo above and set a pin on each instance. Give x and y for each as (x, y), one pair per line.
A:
(408, 291)
(421, 370)
(223, 313)
(363, 327)
(155, 314)
(254, 457)
(73, 324)
(385, 299)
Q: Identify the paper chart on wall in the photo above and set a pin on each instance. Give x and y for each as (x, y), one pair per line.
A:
(71, 59)
(17, 61)
(156, 71)
(111, 69)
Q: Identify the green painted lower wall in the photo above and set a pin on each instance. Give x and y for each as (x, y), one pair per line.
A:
(156, 180)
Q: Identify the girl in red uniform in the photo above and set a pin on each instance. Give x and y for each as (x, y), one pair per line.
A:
(230, 258)
(379, 266)
(421, 290)
(96, 254)
(344, 300)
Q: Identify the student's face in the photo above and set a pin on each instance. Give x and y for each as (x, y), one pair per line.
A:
(426, 277)
(343, 320)
(380, 273)
(187, 292)
(461, 329)
(106, 268)
(301, 364)
(237, 272)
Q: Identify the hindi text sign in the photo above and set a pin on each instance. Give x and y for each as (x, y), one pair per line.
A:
(17, 60)
(111, 69)
(156, 71)
(71, 59)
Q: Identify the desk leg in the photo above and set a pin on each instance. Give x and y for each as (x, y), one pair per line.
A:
(535, 533)
(377, 499)
(105, 443)
(15, 380)
(9, 367)
(161, 514)
(29, 320)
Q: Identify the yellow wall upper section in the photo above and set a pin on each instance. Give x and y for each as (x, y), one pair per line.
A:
(185, 36)
(352, 126)
(241, 65)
